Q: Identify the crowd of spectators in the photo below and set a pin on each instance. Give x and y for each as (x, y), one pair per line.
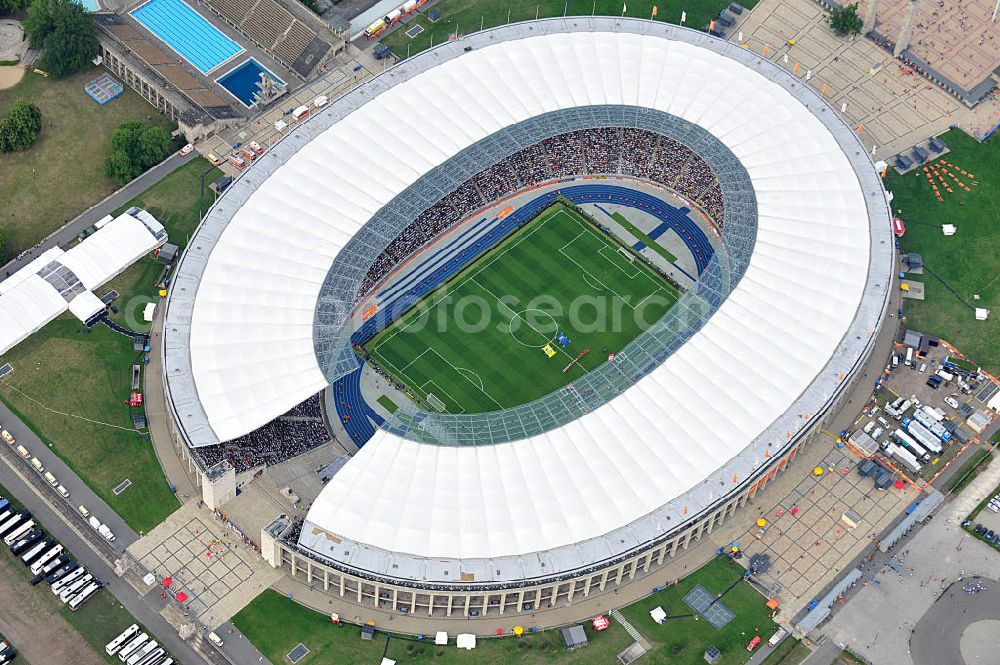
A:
(603, 150)
(287, 436)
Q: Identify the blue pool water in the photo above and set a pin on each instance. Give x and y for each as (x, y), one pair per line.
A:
(90, 5)
(187, 32)
(242, 81)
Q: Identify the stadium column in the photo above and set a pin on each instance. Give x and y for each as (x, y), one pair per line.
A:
(342, 583)
(326, 580)
(520, 600)
(309, 572)
(572, 590)
(604, 581)
(554, 593)
(451, 600)
(662, 553)
(378, 595)
(538, 598)
(503, 601)
(395, 599)
(468, 599)
(360, 584)
(413, 602)
(430, 604)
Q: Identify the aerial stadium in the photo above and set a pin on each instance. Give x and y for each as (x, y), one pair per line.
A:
(571, 291)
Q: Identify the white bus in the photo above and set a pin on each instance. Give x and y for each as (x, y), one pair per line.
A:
(903, 455)
(18, 531)
(84, 595)
(126, 635)
(142, 653)
(70, 591)
(35, 551)
(152, 657)
(168, 661)
(39, 565)
(12, 521)
(132, 647)
(70, 577)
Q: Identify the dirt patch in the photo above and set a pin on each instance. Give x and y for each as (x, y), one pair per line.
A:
(32, 624)
(10, 76)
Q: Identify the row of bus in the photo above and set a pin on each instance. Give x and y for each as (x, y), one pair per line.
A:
(7, 652)
(47, 559)
(134, 647)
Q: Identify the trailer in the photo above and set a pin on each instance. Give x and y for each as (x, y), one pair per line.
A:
(919, 452)
(924, 436)
(903, 455)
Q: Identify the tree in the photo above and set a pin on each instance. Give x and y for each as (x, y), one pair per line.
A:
(12, 6)
(135, 147)
(845, 20)
(20, 126)
(66, 33)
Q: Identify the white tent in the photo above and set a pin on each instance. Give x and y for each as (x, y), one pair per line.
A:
(441, 638)
(388, 661)
(658, 615)
(948, 229)
(148, 311)
(982, 314)
(466, 641)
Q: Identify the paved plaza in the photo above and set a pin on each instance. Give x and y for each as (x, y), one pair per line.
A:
(896, 107)
(957, 38)
(884, 620)
(807, 540)
(210, 564)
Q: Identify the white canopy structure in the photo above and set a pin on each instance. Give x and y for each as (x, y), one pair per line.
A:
(240, 322)
(62, 280)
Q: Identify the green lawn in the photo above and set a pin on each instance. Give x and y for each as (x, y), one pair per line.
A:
(99, 620)
(387, 404)
(63, 174)
(466, 16)
(680, 642)
(63, 370)
(557, 274)
(790, 652)
(643, 238)
(683, 641)
(961, 266)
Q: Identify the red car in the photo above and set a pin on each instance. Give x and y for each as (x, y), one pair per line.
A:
(186, 149)
(752, 644)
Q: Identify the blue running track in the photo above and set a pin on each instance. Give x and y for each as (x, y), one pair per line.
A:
(352, 409)
(187, 32)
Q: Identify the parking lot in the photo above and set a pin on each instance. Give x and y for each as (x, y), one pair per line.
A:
(956, 399)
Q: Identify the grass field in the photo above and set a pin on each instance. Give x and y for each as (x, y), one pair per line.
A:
(466, 16)
(558, 274)
(63, 174)
(60, 370)
(680, 642)
(961, 266)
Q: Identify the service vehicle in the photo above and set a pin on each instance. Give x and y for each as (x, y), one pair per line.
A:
(752, 644)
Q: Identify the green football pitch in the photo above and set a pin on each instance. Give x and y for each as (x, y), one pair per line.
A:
(487, 339)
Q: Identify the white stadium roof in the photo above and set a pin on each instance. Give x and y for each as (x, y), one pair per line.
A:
(774, 354)
(28, 300)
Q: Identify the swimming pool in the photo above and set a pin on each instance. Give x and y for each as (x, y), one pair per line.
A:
(242, 81)
(90, 5)
(187, 32)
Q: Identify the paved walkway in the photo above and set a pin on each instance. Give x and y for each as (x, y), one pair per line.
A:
(878, 621)
(157, 416)
(86, 219)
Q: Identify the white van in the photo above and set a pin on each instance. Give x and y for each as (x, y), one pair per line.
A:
(36, 464)
(923, 367)
(215, 639)
(909, 355)
(50, 479)
(869, 427)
